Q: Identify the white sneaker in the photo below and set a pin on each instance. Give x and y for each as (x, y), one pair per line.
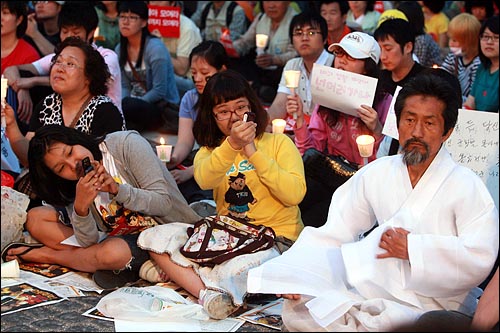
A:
(218, 305)
(204, 208)
(150, 271)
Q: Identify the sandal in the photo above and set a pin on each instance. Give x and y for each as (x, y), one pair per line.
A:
(14, 245)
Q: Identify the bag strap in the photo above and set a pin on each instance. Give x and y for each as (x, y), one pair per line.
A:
(204, 14)
(136, 75)
(79, 114)
(229, 14)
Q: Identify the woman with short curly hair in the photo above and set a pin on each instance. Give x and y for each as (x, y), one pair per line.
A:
(78, 76)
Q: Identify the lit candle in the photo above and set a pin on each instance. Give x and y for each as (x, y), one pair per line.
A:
(292, 82)
(261, 42)
(5, 85)
(365, 146)
(278, 125)
(164, 151)
(98, 37)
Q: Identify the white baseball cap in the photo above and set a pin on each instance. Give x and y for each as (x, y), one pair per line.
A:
(60, 2)
(359, 45)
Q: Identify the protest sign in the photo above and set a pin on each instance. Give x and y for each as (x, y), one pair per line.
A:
(390, 125)
(474, 144)
(341, 90)
(165, 21)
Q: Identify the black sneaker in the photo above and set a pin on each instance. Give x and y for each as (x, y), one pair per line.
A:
(115, 279)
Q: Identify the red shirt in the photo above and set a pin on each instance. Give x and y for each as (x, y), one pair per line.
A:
(23, 53)
(345, 32)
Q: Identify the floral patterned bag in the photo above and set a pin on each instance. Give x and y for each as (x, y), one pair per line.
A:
(216, 239)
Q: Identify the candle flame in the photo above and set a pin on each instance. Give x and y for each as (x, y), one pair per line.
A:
(162, 141)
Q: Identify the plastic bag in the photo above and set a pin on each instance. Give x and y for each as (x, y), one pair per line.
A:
(14, 206)
(151, 303)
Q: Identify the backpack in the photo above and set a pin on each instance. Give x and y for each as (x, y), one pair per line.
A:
(229, 15)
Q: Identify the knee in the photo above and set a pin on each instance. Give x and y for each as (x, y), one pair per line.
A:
(115, 253)
(37, 215)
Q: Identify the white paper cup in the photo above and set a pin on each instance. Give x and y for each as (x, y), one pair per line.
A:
(10, 269)
(365, 145)
(292, 78)
(261, 40)
(164, 152)
(279, 125)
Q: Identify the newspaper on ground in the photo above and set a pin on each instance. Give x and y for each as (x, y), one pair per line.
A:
(268, 315)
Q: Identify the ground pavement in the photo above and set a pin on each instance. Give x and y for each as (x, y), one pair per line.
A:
(66, 316)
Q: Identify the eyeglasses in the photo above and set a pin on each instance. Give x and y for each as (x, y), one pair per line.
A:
(39, 2)
(487, 38)
(226, 114)
(67, 65)
(131, 18)
(341, 53)
(310, 33)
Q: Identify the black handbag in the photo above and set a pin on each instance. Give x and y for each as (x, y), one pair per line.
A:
(330, 170)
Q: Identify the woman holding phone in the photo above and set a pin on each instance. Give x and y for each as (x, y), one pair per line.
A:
(126, 186)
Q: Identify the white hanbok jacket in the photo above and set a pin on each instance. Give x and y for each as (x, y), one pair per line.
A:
(452, 246)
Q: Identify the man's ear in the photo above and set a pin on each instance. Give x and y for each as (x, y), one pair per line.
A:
(408, 48)
(448, 134)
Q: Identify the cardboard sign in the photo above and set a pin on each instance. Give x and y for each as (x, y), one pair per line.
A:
(341, 90)
(165, 20)
(474, 144)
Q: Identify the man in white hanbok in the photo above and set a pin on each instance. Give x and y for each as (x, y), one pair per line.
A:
(436, 237)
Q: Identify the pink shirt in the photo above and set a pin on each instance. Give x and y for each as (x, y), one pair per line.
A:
(340, 140)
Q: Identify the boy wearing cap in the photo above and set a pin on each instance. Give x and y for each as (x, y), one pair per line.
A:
(308, 33)
(43, 30)
(335, 132)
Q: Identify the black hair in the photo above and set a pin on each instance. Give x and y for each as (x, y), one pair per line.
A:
(313, 19)
(78, 14)
(492, 24)
(46, 184)
(96, 69)
(438, 83)
(343, 5)
(414, 14)
(487, 4)
(434, 6)
(400, 30)
(19, 9)
(140, 8)
(222, 87)
(213, 52)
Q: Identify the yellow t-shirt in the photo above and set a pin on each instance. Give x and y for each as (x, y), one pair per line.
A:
(266, 188)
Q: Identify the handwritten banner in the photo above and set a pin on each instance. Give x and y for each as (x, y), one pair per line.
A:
(165, 21)
(341, 90)
(474, 144)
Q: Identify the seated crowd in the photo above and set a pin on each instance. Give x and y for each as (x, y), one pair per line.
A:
(402, 238)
